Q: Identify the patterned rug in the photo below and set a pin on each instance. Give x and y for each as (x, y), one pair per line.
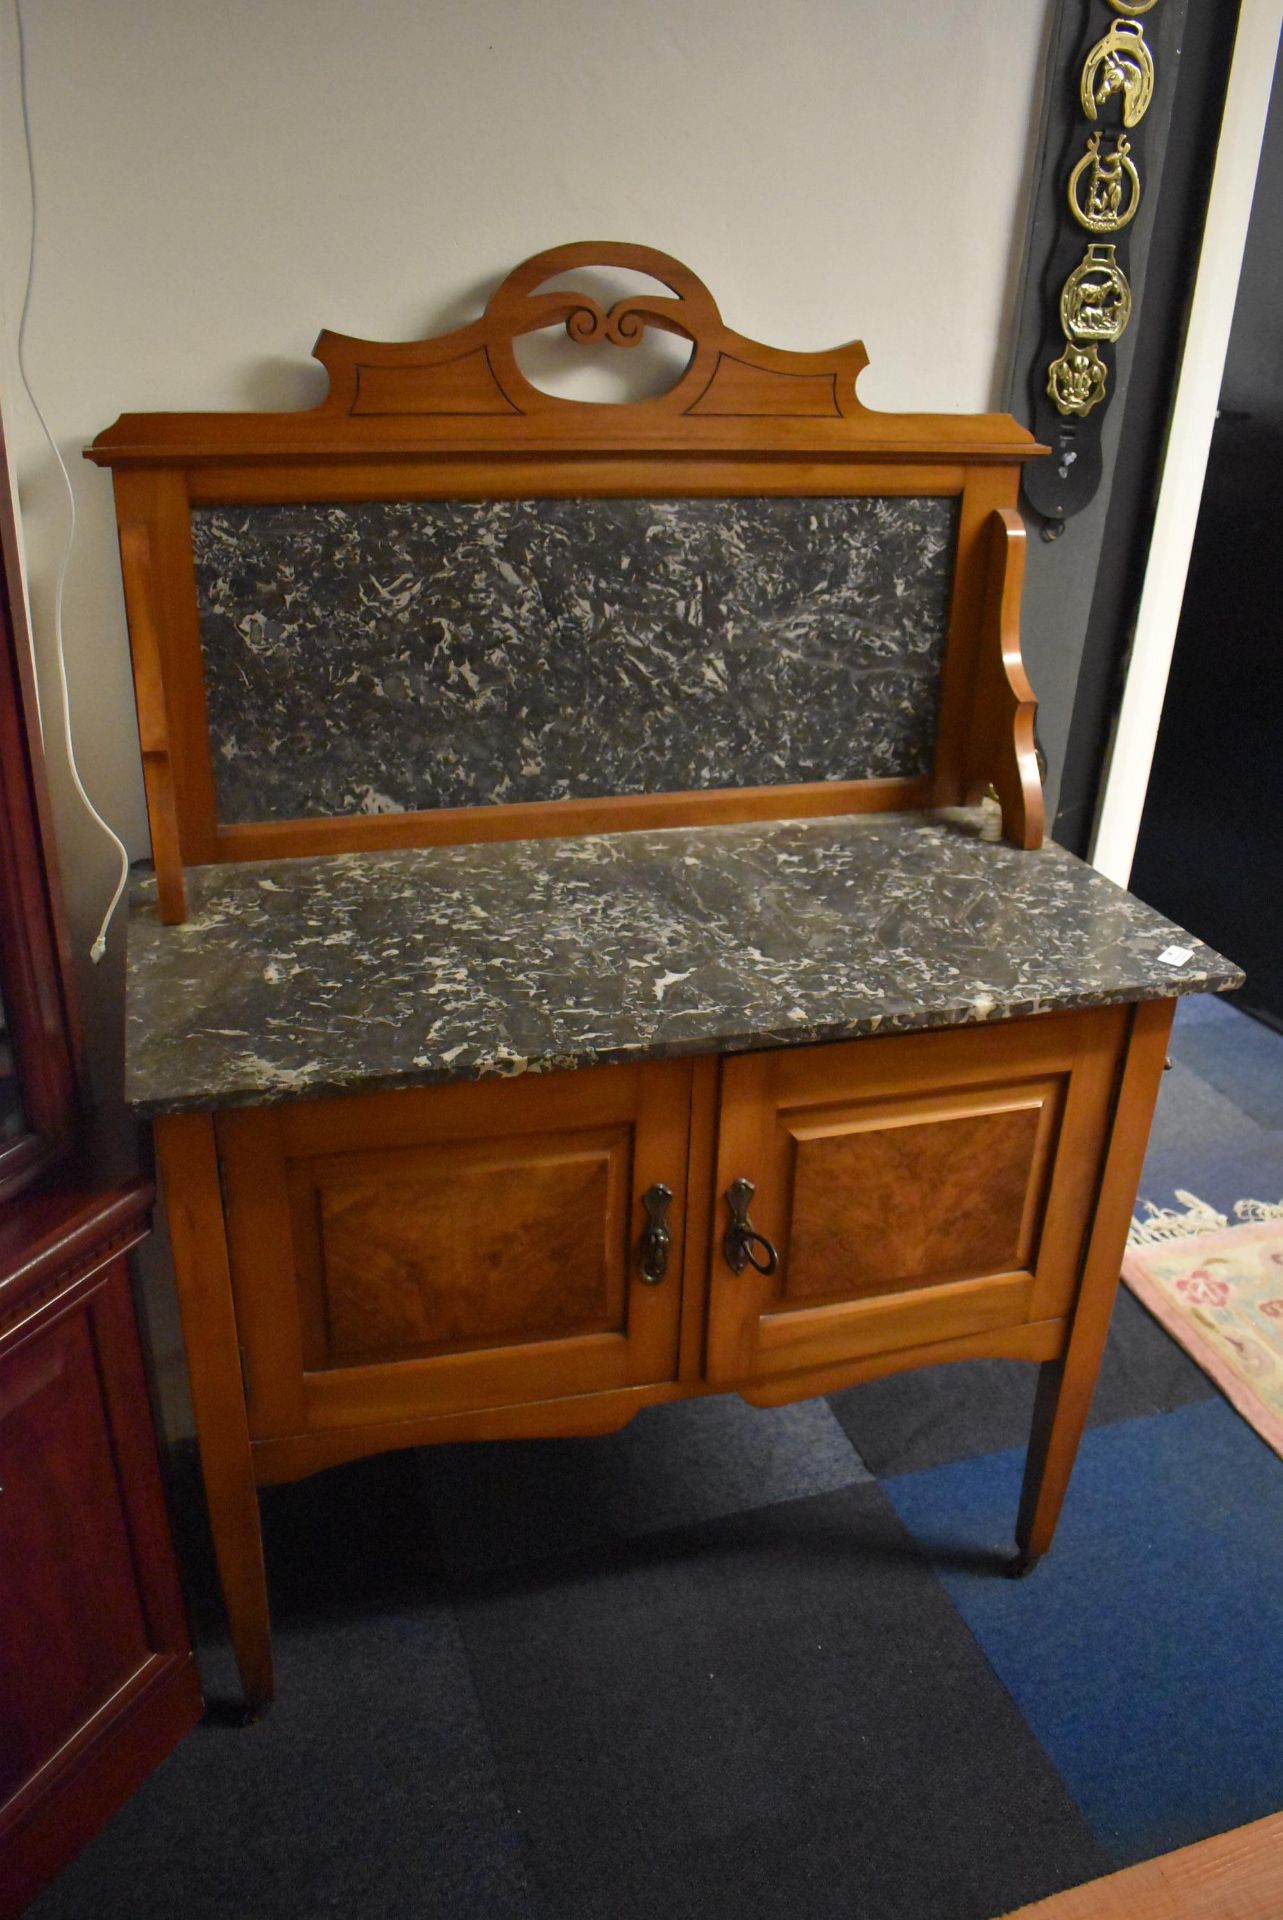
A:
(1218, 1290)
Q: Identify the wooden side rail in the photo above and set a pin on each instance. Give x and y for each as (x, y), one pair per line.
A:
(1002, 754)
(153, 719)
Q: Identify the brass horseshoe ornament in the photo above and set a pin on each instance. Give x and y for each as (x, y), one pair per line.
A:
(1121, 63)
(1132, 6)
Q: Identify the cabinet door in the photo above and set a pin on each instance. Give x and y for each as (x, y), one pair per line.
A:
(454, 1248)
(96, 1679)
(914, 1189)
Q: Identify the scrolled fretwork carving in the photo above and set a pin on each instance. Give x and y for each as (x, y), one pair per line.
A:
(624, 325)
(475, 370)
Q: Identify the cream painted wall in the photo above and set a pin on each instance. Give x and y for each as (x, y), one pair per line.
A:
(220, 178)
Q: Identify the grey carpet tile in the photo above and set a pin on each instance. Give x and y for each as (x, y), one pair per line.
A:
(1239, 1057)
(909, 1421)
(368, 1793)
(1191, 1112)
(502, 1504)
(1143, 1364)
(1220, 1177)
(772, 1714)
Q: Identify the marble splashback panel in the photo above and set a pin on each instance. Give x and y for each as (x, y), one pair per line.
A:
(382, 656)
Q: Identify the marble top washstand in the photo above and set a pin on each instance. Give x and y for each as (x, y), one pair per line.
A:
(307, 977)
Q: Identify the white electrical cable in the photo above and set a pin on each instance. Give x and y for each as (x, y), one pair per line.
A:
(99, 946)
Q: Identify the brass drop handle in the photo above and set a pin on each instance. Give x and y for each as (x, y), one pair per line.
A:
(656, 1238)
(741, 1240)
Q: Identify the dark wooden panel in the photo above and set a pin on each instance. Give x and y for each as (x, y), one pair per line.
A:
(70, 1619)
(96, 1678)
(883, 1204)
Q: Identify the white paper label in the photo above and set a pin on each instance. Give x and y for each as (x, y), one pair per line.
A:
(1175, 956)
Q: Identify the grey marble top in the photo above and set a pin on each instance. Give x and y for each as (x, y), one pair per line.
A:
(361, 971)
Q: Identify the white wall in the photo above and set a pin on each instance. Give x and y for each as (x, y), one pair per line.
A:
(220, 178)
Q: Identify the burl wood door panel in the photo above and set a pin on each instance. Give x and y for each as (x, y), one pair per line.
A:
(918, 1188)
(453, 1248)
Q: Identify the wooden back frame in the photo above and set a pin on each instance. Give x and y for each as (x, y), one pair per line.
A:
(455, 418)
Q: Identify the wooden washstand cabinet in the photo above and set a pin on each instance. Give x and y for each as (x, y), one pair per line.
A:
(578, 973)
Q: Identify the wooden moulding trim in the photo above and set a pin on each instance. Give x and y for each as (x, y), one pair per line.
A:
(879, 1323)
(1035, 1340)
(544, 819)
(479, 475)
(464, 390)
(55, 1241)
(1002, 733)
(31, 1314)
(153, 721)
(294, 1456)
(217, 438)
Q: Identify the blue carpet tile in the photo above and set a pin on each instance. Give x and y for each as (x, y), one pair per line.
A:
(911, 1421)
(1146, 1651)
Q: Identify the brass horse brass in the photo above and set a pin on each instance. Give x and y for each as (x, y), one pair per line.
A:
(1102, 209)
(1096, 300)
(1119, 63)
(1076, 382)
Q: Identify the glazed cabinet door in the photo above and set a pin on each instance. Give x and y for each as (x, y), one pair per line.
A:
(904, 1191)
(453, 1248)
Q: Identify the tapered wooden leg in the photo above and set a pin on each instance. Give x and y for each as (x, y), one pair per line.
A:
(193, 1202)
(1060, 1413)
(1066, 1385)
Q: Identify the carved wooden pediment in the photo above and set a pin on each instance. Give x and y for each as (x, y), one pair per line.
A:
(464, 391)
(474, 370)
